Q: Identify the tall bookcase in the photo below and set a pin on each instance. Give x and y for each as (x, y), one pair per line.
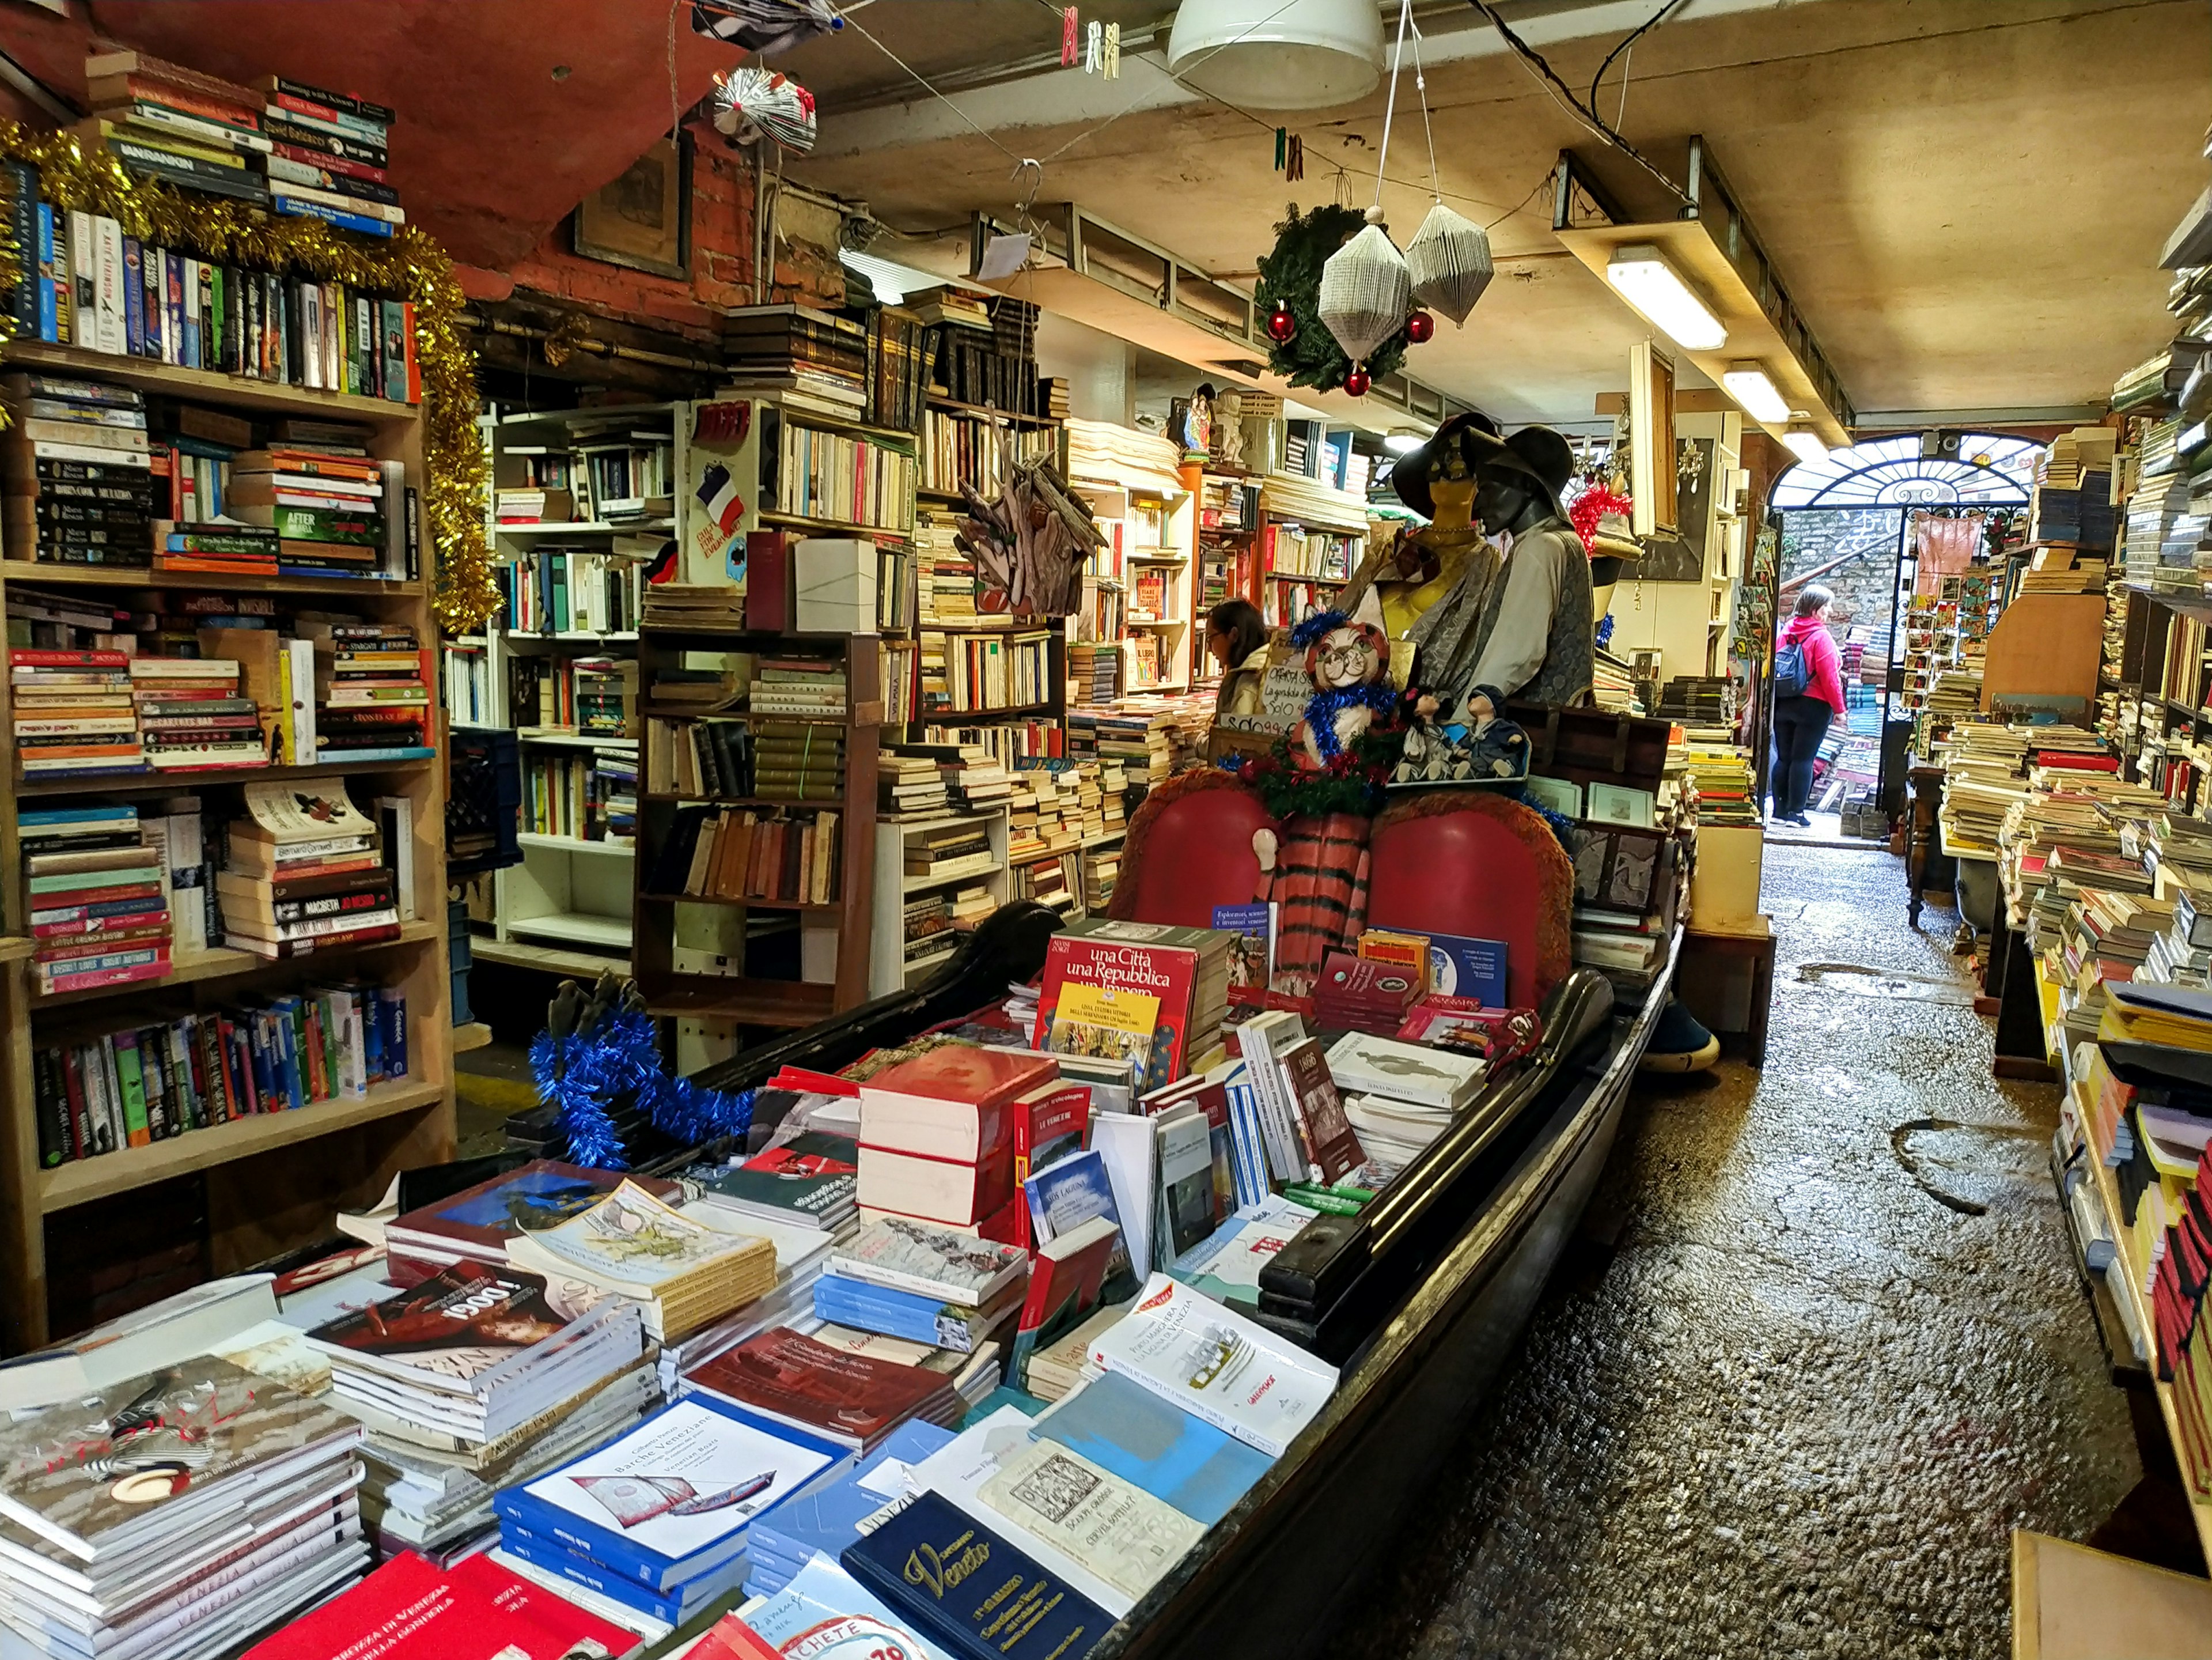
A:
(272, 1181)
(567, 906)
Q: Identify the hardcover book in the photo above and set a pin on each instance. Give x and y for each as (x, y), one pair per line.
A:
(1111, 1021)
(1066, 1284)
(853, 1400)
(914, 1256)
(968, 1587)
(840, 1505)
(1049, 1124)
(672, 1499)
(949, 1102)
(1166, 972)
(1331, 1149)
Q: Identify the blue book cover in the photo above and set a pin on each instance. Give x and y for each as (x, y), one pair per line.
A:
(1252, 956)
(674, 1608)
(907, 1314)
(826, 1515)
(49, 310)
(1065, 1195)
(1250, 1164)
(672, 1499)
(1181, 1459)
(134, 298)
(352, 222)
(969, 1589)
(1461, 967)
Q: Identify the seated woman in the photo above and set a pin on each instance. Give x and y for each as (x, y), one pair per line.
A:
(1236, 638)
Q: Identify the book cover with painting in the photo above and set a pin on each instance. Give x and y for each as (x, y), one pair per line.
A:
(1252, 953)
(463, 1323)
(479, 1221)
(1105, 1020)
(1166, 972)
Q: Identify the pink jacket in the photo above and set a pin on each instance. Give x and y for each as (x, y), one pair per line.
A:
(1823, 663)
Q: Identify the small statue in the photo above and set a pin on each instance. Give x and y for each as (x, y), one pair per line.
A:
(1347, 663)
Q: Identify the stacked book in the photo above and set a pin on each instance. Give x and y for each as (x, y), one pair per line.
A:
(927, 1284)
(836, 1509)
(476, 1225)
(73, 713)
(784, 1380)
(304, 873)
(327, 506)
(192, 714)
(681, 1268)
(76, 484)
(796, 760)
(713, 607)
(812, 358)
(1720, 776)
(937, 1140)
(443, 1604)
(973, 781)
(1150, 994)
(327, 156)
(908, 785)
(226, 1509)
(804, 686)
(810, 1180)
(98, 895)
(372, 696)
(958, 848)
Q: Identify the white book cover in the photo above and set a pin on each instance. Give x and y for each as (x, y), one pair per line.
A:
(1404, 1072)
(1235, 1374)
(1122, 1534)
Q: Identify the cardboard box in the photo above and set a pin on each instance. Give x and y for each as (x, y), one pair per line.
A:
(1724, 889)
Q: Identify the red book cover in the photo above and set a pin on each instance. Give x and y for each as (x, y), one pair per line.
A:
(1066, 1282)
(1049, 1124)
(68, 659)
(1331, 1149)
(460, 1323)
(479, 1221)
(950, 1102)
(767, 581)
(1166, 972)
(412, 1609)
(854, 1400)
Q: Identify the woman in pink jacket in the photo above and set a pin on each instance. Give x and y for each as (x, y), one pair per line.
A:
(1802, 721)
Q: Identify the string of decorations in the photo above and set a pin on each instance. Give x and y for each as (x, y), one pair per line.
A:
(410, 264)
(611, 1053)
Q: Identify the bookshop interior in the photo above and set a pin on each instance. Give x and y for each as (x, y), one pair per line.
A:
(938, 829)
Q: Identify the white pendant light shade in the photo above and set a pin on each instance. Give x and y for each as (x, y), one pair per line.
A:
(1448, 263)
(1306, 55)
(1364, 293)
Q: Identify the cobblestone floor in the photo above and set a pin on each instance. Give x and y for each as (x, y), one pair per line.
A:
(1799, 1407)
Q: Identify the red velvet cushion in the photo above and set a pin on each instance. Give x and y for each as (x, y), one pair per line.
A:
(1463, 861)
(1189, 848)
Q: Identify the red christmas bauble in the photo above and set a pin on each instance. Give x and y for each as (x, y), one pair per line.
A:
(1281, 325)
(1357, 381)
(1419, 326)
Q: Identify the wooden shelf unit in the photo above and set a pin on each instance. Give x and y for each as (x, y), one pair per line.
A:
(273, 1182)
(660, 958)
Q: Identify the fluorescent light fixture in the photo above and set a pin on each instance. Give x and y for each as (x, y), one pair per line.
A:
(1648, 282)
(1748, 383)
(892, 280)
(1805, 444)
(1404, 438)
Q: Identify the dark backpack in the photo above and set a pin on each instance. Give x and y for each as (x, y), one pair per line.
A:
(1793, 675)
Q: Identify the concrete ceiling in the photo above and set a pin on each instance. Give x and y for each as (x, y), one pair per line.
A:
(1965, 197)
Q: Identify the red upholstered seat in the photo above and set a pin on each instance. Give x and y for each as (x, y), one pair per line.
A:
(1466, 862)
(1189, 848)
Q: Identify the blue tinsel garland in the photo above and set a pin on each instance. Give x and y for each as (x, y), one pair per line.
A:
(1324, 708)
(1320, 624)
(580, 1075)
(1605, 629)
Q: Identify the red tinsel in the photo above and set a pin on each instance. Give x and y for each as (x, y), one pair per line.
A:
(1592, 505)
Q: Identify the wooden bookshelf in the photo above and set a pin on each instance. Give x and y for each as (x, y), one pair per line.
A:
(273, 1182)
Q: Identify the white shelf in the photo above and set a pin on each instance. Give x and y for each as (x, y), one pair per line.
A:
(572, 740)
(960, 870)
(629, 635)
(575, 844)
(584, 527)
(609, 933)
(601, 416)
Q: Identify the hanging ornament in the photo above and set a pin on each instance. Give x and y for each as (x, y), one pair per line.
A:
(1357, 381)
(1448, 263)
(1070, 36)
(1281, 325)
(1420, 327)
(752, 101)
(1307, 354)
(1364, 291)
(1110, 61)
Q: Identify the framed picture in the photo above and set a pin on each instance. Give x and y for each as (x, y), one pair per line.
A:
(643, 218)
(1651, 446)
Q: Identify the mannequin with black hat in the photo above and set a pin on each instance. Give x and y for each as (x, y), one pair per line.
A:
(1530, 634)
(1393, 588)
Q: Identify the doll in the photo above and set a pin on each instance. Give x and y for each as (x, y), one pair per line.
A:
(1348, 664)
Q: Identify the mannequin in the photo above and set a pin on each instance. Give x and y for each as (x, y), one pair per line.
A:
(1440, 556)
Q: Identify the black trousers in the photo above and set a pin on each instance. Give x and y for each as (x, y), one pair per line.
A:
(1800, 723)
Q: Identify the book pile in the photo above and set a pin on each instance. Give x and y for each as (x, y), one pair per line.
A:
(804, 686)
(1226, 1265)
(471, 1354)
(800, 1253)
(476, 1225)
(304, 873)
(811, 1179)
(1981, 782)
(1057, 1369)
(372, 694)
(816, 360)
(796, 760)
(325, 505)
(681, 1268)
(958, 848)
(98, 898)
(835, 1509)
(1169, 989)
(1720, 777)
(2181, 956)
(737, 854)
(73, 714)
(1697, 700)
(76, 484)
(192, 714)
(973, 782)
(1041, 817)
(908, 785)
(784, 1380)
(937, 1141)
(109, 1540)
(712, 608)
(927, 1284)
(945, 577)
(1102, 869)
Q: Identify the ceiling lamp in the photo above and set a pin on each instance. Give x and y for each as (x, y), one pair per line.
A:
(1399, 439)
(1648, 282)
(1749, 385)
(1805, 444)
(1303, 55)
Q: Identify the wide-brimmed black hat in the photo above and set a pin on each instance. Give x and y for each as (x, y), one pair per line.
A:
(1537, 453)
(1411, 473)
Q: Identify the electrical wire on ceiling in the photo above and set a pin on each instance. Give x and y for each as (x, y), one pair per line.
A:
(1563, 96)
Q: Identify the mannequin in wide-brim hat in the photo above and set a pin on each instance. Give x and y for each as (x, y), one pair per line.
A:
(1530, 634)
(1437, 480)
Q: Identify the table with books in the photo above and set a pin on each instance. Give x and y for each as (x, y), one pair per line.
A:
(992, 1294)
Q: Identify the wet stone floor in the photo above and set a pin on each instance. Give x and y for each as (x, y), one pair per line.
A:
(1798, 1403)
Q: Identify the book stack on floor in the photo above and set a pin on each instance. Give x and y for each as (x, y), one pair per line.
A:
(810, 358)
(73, 713)
(836, 1508)
(76, 487)
(684, 1270)
(98, 898)
(193, 713)
(655, 1523)
(289, 860)
(372, 693)
(937, 1143)
(110, 1552)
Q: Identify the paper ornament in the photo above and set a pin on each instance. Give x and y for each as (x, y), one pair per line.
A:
(1365, 292)
(752, 102)
(1448, 263)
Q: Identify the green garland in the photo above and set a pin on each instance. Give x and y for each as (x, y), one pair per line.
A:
(1351, 783)
(1291, 277)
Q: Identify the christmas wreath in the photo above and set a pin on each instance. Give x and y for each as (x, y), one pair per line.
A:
(1290, 278)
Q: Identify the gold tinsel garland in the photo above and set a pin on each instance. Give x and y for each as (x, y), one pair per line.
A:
(410, 264)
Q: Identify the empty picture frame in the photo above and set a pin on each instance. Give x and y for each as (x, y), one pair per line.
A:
(1651, 443)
